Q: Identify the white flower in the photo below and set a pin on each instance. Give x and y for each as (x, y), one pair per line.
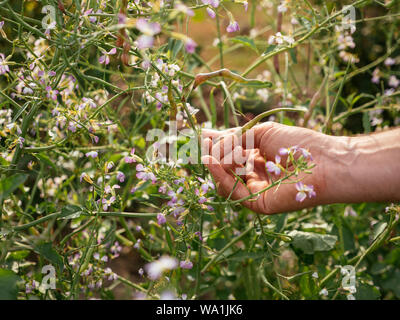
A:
(92, 154)
(351, 297)
(323, 292)
(279, 38)
(389, 92)
(347, 56)
(345, 42)
(315, 275)
(389, 62)
(349, 211)
(263, 94)
(394, 82)
(167, 295)
(156, 268)
(375, 76)
(283, 7)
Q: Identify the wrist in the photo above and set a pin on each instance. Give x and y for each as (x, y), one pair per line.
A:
(364, 168)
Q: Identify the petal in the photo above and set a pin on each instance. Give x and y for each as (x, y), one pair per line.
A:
(300, 196)
(299, 186)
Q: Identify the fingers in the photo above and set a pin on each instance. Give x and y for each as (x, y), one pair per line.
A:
(213, 134)
(232, 157)
(256, 177)
(282, 198)
(223, 142)
(225, 182)
(235, 161)
(269, 137)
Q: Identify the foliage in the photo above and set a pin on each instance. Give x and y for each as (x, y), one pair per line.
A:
(84, 185)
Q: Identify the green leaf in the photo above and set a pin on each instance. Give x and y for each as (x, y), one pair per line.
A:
(246, 41)
(18, 255)
(367, 292)
(366, 122)
(310, 242)
(47, 251)
(174, 46)
(378, 229)
(293, 52)
(269, 49)
(20, 111)
(393, 283)
(45, 159)
(348, 239)
(71, 211)
(10, 184)
(8, 285)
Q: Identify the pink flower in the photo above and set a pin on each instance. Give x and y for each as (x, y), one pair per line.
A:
(20, 141)
(211, 12)
(197, 233)
(375, 76)
(287, 151)
(145, 173)
(190, 45)
(233, 27)
(184, 9)
(145, 42)
(3, 65)
(274, 167)
(105, 58)
(120, 176)
(303, 191)
(394, 82)
(107, 203)
(246, 6)
(51, 94)
(389, 62)
(45, 76)
(306, 154)
(92, 154)
(213, 3)
(186, 264)
(130, 159)
(161, 219)
(137, 244)
(149, 30)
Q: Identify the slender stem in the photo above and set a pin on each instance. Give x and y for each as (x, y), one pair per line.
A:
(269, 285)
(101, 214)
(220, 44)
(230, 244)
(200, 259)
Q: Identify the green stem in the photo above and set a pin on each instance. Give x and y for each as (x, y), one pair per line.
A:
(269, 285)
(101, 214)
(230, 244)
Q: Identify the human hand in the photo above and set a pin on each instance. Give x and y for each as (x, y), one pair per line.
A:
(230, 156)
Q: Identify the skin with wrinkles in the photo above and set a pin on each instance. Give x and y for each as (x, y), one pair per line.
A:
(342, 170)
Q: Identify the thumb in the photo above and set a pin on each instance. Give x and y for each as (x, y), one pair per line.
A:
(225, 182)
